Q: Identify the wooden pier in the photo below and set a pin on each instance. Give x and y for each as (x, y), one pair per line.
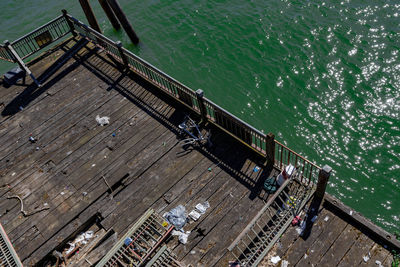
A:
(74, 175)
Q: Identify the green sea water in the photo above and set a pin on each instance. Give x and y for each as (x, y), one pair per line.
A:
(324, 76)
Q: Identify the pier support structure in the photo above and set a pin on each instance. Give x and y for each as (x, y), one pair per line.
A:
(323, 178)
(87, 9)
(110, 14)
(124, 21)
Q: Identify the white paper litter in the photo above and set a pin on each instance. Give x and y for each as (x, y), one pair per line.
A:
(83, 239)
(275, 259)
(379, 263)
(284, 263)
(102, 120)
(326, 218)
(194, 215)
(366, 258)
(202, 207)
(182, 236)
(351, 212)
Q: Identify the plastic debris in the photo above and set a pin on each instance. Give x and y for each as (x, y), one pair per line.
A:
(102, 120)
(256, 169)
(284, 263)
(182, 236)
(379, 263)
(275, 259)
(32, 139)
(128, 241)
(351, 212)
(81, 239)
(326, 218)
(84, 194)
(194, 215)
(366, 258)
(202, 207)
(176, 216)
(314, 218)
(21, 108)
(209, 169)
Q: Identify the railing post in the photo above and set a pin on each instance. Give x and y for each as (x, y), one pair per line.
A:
(121, 53)
(70, 24)
(323, 178)
(199, 96)
(270, 149)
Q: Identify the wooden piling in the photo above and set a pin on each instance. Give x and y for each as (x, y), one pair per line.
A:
(87, 9)
(110, 14)
(124, 21)
(270, 149)
(323, 178)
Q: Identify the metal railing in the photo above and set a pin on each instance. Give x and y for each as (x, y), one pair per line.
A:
(308, 171)
(8, 256)
(41, 37)
(139, 243)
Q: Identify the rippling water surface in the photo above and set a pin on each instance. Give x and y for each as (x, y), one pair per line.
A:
(324, 76)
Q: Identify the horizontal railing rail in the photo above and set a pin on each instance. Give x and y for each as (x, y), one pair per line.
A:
(41, 37)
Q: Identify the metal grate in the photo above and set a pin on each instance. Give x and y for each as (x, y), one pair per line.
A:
(251, 246)
(164, 257)
(135, 247)
(8, 256)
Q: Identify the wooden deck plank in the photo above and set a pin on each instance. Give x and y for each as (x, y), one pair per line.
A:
(355, 255)
(321, 245)
(340, 247)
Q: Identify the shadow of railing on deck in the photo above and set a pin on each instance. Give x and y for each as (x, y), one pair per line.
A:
(228, 163)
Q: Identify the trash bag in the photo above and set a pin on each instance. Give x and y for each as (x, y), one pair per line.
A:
(176, 217)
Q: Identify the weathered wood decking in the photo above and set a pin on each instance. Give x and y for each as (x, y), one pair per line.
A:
(138, 154)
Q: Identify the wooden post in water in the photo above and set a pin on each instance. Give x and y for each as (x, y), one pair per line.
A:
(110, 14)
(90, 15)
(203, 112)
(270, 149)
(124, 21)
(323, 178)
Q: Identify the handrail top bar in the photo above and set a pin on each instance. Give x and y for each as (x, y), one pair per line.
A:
(297, 154)
(37, 29)
(236, 118)
(94, 31)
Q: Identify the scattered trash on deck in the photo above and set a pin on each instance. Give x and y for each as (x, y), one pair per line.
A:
(102, 120)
